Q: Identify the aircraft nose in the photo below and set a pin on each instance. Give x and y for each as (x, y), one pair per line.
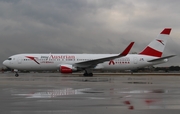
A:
(5, 63)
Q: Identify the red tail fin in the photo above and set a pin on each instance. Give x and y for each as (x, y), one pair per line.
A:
(156, 47)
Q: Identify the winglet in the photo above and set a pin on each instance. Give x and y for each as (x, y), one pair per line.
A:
(126, 51)
(166, 31)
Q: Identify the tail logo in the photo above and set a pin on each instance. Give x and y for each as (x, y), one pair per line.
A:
(33, 58)
(111, 62)
(161, 41)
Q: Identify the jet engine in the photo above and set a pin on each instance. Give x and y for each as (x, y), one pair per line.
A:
(66, 68)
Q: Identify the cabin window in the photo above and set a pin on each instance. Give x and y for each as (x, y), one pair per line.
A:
(9, 58)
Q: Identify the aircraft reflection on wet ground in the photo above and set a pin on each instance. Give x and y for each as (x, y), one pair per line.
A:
(79, 95)
(53, 93)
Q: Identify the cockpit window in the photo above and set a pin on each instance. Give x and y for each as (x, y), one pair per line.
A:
(9, 58)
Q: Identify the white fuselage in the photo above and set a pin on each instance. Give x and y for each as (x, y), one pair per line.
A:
(53, 61)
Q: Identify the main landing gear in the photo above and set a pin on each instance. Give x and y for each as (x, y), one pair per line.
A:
(88, 74)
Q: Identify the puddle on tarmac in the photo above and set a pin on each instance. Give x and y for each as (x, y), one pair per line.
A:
(51, 93)
(94, 80)
(138, 82)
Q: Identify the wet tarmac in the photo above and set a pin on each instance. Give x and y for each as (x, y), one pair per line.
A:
(52, 93)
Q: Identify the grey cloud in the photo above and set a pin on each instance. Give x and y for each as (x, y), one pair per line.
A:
(10, 1)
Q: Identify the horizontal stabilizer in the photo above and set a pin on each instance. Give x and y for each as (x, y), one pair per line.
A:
(162, 58)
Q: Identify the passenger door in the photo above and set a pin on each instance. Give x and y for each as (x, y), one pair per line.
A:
(135, 60)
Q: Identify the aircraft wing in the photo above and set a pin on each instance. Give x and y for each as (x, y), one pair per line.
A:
(162, 58)
(91, 63)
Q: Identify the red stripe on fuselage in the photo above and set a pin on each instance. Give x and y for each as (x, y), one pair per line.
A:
(151, 52)
(32, 58)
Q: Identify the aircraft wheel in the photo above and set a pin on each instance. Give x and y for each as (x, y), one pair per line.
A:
(90, 74)
(16, 75)
(85, 74)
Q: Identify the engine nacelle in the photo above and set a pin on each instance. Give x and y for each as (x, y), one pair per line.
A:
(67, 68)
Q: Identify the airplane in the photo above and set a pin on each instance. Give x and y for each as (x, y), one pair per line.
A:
(69, 63)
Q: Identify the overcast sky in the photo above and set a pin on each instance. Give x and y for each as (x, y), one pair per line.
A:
(86, 26)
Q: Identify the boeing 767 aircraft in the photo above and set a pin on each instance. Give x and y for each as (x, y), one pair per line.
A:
(69, 63)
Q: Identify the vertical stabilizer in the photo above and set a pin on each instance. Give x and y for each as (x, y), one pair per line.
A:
(156, 47)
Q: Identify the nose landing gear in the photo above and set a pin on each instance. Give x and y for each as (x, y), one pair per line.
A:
(16, 74)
